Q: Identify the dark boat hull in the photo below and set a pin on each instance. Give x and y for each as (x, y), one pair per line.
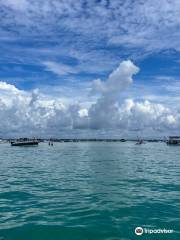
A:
(30, 143)
(173, 143)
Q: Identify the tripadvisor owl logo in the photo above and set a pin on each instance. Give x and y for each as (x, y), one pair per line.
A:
(139, 231)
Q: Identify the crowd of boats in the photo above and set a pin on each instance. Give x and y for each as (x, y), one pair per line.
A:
(171, 140)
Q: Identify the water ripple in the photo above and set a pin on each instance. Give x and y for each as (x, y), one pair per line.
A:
(88, 190)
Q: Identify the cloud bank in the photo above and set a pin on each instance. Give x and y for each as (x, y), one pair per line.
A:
(24, 113)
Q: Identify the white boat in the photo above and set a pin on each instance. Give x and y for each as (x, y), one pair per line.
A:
(173, 140)
(139, 142)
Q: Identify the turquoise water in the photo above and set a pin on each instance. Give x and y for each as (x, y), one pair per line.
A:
(84, 191)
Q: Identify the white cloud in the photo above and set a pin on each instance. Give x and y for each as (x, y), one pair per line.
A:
(8, 87)
(25, 113)
(104, 112)
(118, 80)
(107, 112)
(59, 68)
(83, 112)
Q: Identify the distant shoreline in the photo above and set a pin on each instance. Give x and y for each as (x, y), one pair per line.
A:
(87, 140)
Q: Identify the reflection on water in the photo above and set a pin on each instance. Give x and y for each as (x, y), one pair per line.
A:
(88, 190)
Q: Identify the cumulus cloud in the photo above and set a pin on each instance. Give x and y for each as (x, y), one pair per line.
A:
(24, 113)
(118, 80)
(8, 87)
(104, 112)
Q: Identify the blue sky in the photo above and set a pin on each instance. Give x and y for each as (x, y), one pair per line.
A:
(57, 50)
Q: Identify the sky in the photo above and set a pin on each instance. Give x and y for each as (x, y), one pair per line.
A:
(89, 68)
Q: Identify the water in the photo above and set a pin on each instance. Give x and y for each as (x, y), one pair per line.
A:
(84, 191)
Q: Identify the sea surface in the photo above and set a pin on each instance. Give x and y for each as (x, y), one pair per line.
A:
(89, 191)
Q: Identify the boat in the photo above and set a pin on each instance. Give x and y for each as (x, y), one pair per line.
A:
(139, 142)
(25, 142)
(173, 140)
